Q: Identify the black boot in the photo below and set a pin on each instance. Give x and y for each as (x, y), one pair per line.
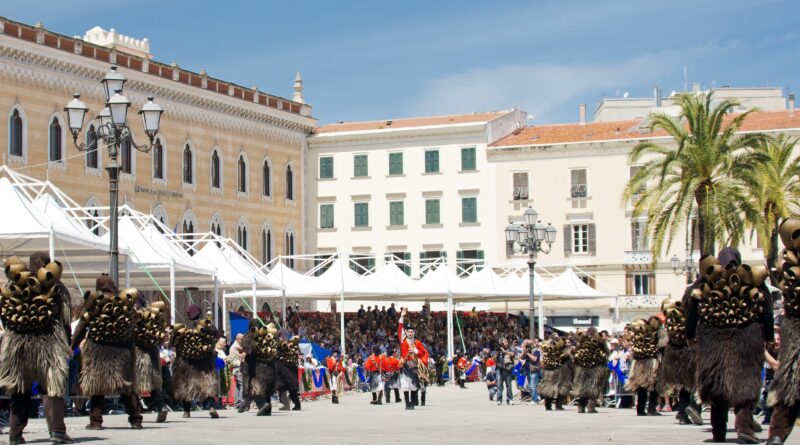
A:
(295, 398)
(652, 403)
(334, 399)
(548, 404)
(590, 407)
(423, 398)
(414, 398)
(396, 395)
(559, 407)
(388, 394)
(407, 400)
(374, 399)
(582, 405)
(641, 402)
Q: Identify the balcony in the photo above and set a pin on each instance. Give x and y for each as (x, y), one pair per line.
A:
(641, 301)
(638, 257)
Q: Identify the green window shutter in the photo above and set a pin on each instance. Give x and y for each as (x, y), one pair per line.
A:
(468, 159)
(396, 217)
(406, 263)
(371, 264)
(480, 257)
(326, 167)
(362, 214)
(469, 210)
(360, 168)
(395, 163)
(461, 268)
(326, 216)
(431, 161)
(432, 211)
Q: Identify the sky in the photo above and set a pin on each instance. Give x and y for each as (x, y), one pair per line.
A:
(381, 60)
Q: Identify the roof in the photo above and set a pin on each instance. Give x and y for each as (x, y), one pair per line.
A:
(389, 124)
(630, 129)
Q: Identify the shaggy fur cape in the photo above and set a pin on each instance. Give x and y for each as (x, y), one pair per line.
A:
(107, 369)
(262, 381)
(194, 379)
(729, 363)
(148, 370)
(286, 377)
(643, 374)
(589, 382)
(557, 382)
(785, 389)
(678, 367)
(28, 358)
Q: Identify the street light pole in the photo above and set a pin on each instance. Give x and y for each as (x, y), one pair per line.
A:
(114, 131)
(530, 237)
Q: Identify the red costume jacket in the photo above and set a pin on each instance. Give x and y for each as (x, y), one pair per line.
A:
(374, 363)
(462, 363)
(391, 364)
(406, 346)
(334, 366)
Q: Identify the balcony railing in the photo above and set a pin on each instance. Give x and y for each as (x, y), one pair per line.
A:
(638, 256)
(637, 301)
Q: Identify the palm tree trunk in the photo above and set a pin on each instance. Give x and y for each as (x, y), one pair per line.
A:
(772, 254)
(706, 241)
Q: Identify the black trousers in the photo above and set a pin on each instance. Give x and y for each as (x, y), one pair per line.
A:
(743, 422)
(129, 401)
(646, 401)
(20, 408)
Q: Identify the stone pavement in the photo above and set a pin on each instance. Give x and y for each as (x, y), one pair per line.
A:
(453, 416)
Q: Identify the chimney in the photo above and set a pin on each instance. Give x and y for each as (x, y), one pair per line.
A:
(582, 113)
(657, 96)
(791, 104)
(695, 87)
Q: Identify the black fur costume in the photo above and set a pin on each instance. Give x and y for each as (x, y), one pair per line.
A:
(729, 363)
(558, 371)
(785, 387)
(591, 367)
(646, 357)
(194, 369)
(258, 374)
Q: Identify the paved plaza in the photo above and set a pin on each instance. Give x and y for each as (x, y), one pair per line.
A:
(453, 416)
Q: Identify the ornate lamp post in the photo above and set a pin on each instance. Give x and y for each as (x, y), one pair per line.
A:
(687, 267)
(114, 131)
(530, 237)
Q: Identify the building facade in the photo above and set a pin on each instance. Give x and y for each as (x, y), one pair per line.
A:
(416, 189)
(228, 159)
(574, 175)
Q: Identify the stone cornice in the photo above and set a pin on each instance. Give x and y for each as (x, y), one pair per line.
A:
(41, 66)
(420, 137)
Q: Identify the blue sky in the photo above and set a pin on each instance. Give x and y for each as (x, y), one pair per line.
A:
(378, 60)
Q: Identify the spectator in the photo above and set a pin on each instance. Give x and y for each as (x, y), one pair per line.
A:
(236, 357)
(505, 372)
(491, 383)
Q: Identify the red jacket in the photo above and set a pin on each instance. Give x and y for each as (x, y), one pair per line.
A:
(406, 346)
(374, 363)
(391, 364)
(334, 366)
(462, 363)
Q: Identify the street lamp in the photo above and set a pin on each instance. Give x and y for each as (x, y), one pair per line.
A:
(686, 267)
(531, 237)
(114, 130)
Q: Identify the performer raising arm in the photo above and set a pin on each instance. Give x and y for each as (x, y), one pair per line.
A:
(412, 355)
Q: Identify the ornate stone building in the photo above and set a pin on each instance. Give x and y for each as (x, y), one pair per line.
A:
(228, 158)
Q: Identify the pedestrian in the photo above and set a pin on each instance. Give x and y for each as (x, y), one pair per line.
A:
(236, 356)
(505, 372)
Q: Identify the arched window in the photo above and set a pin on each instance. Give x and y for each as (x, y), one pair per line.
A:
(16, 133)
(288, 246)
(56, 152)
(289, 183)
(217, 225)
(93, 221)
(160, 214)
(188, 165)
(158, 159)
(242, 235)
(266, 178)
(216, 179)
(242, 169)
(126, 157)
(266, 243)
(189, 225)
(92, 156)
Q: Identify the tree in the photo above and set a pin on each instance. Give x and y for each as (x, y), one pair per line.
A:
(773, 185)
(701, 176)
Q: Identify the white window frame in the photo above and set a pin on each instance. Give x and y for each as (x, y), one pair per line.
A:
(580, 244)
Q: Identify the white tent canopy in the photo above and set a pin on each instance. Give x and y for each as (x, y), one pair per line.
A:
(569, 285)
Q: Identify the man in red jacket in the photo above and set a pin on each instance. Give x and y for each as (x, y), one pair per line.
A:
(374, 365)
(412, 355)
(391, 372)
(335, 371)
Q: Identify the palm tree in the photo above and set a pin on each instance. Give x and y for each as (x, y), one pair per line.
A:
(773, 185)
(701, 176)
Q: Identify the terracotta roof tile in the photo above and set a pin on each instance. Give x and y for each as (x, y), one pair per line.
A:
(629, 129)
(389, 124)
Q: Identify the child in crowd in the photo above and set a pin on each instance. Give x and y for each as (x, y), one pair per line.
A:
(491, 382)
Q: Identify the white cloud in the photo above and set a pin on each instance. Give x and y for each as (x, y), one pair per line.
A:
(542, 87)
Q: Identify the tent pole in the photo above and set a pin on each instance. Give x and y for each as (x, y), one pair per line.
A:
(255, 311)
(283, 309)
(172, 302)
(341, 321)
(450, 351)
(224, 314)
(52, 244)
(128, 271)
(216, 303)
(541, 316)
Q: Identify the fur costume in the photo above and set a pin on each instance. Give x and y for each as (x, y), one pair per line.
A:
(589, 382)
(643, 374)
(729, 362)
(591, 365)
(557, 382)
(785, 387)
(194, 379)
(678, 367)
(258, 370)
(107, 369)
(286, 378)
(148, 370)
(28, 358)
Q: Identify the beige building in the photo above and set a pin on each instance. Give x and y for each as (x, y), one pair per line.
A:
(574, 175)
(228, 158)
